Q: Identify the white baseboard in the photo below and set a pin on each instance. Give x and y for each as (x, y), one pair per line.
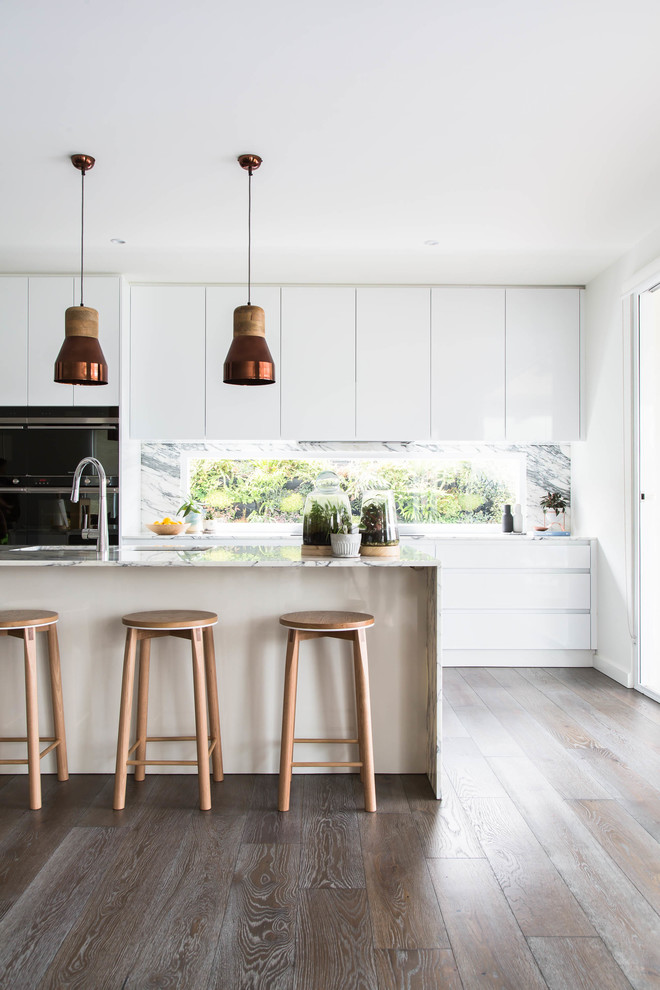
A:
(617, 674)
(518, 658)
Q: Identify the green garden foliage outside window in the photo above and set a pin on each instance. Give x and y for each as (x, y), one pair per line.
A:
(425, 491)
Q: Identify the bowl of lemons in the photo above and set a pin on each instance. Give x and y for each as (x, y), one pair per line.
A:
(168, 527)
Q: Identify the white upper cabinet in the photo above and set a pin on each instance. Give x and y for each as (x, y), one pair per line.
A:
(318, 364)
(102, 293)
(393, 364)
(467, 364)
(240, 412)
(167, 386)
(49, 298)
(543, 364)
(14, 336)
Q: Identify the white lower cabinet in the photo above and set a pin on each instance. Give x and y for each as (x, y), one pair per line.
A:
(517, 603)
(515, 631)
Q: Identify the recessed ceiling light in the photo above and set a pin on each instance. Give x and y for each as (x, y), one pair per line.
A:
(431, 243)
(116, 240)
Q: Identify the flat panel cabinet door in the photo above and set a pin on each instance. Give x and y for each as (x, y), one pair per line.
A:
(467, 364)
(393, 364)
(543, 364)
(48, 299)
(102, 293)
(318, 364)
(167, 386)
(13, 341)
(240, 412)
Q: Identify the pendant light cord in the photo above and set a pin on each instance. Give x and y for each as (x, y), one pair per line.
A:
(249, 232)
(82, 232)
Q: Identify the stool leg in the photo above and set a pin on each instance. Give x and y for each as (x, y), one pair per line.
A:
(123, 739)
(288, 719)
(364, 717)
(358, 712)
(32, 712)
(212, 693)
(143, 706)
(201, 721)
(58, 703)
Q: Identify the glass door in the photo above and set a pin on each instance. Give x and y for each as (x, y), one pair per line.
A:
(649, 495)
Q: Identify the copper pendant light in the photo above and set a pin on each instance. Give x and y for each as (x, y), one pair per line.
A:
(81, 360)
(248, 361)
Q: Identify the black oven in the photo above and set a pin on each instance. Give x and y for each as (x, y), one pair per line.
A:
(39, 451)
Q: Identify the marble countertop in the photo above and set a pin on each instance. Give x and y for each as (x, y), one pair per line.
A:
(218, 555)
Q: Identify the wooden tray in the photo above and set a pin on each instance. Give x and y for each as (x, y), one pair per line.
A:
(380, 551)
(307, 550)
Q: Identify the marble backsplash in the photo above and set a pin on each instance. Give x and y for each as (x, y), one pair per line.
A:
(164, 466)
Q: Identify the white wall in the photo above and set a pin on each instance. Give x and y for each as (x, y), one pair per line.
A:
(601, 481)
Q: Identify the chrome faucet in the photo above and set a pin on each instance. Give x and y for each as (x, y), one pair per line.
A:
(102, 532)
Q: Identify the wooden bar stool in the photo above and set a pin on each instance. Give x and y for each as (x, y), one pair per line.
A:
(142, 628)
(24, 624)
(338, 625)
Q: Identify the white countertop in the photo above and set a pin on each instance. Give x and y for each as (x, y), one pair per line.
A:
(218, 555)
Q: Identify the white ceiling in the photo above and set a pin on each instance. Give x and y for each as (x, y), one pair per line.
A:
(521, 136)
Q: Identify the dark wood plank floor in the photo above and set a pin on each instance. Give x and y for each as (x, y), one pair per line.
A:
(539, 869)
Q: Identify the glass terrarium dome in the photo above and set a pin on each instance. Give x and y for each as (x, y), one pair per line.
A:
(327, 510)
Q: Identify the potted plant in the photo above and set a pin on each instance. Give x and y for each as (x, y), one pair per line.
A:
(211, 522)
(193, 513)
(557, 503)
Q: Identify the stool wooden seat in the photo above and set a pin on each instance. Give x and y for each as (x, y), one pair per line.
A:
(351, 626)
(142, 627)
(25, 624)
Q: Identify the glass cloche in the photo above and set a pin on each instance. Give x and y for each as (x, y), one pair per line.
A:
(378, 523)
(327, 510)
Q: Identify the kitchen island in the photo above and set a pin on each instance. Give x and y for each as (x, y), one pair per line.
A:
(249, 587)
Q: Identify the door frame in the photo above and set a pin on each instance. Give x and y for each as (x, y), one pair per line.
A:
(644, 283)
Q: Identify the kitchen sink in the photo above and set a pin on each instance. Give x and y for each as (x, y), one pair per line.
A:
(62, 552)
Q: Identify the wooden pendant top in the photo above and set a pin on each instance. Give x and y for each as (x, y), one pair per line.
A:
(249, 321)
(81, 321)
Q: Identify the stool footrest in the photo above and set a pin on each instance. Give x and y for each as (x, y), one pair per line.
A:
(161, 763)
(165, 763)
(23, 739)
(326, 741)
(355, 763)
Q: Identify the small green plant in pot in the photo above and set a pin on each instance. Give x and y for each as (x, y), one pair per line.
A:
(554, 502)
(193, 513)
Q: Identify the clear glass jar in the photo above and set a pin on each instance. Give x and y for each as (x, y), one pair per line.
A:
(378, 523)
(327, 510)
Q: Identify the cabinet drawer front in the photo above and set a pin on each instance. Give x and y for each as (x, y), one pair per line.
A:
(515, 589)
(516, 631)
(517, 553)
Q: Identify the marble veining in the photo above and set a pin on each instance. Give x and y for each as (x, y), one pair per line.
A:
(163, 480)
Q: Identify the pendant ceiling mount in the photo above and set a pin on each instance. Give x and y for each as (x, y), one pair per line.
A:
(81, 360)
(249, 162)
(249, 361)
